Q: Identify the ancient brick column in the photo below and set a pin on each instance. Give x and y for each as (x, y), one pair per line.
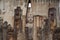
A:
(52, 21)
(23, 22)
(17, 22)
(1, 36)
(5, 26)
(1, 31)
(36, 25)
(21, 35)
(10, 33)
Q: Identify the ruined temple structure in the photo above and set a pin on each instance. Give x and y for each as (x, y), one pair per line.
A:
(29, 19)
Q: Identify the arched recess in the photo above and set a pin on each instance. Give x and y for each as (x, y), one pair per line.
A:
(52, 18)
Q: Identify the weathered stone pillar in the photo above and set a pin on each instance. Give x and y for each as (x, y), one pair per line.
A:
(36, 25)
(10, 33)
(1, 36)
(23, 22)
(5, 26)
(51, 22)
(21, 36)
(1, 33)
(17, 22)
(26, 33)
(23, 25)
